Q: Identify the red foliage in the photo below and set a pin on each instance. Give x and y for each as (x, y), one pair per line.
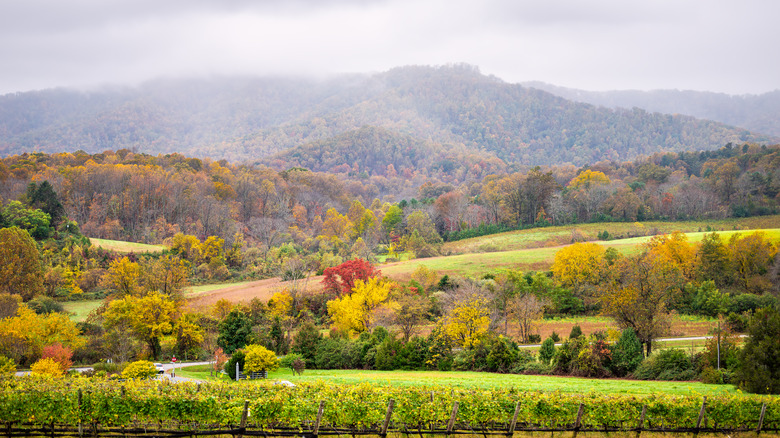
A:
(341, 279)
(60, 354)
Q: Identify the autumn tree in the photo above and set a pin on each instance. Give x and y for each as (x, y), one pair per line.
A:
(409, 314)
(24, 335)
(167, 274)
(713, 260)
(468, 315)
(258, 358)
(527, 309)
(124, 276)
(340, 280)
(751, 257)
(636, 293)
(354, 313)
(676, 250)
(149, 317)
(20, 267)
(189, 335)
(579, 266)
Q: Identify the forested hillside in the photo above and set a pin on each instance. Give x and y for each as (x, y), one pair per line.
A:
(451, 108)
(757, 113)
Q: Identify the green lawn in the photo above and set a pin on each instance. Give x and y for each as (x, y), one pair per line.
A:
(80, 309)
(194, 291)
(485, 381)
(121, 246)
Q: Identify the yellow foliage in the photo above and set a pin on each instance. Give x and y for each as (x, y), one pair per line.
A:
(354, 313)
(675, 249)
(37, 331)
(47, 367)
(280, 305)
(259, 358)
(579, 264)
(587, 179)
(468, 320)
(123, 275)
(141, 369)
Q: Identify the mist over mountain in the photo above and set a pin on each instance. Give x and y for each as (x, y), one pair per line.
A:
(446, 112)
(756, 113)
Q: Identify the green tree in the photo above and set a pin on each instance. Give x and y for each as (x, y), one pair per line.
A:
(234, 331)
(759, 361)
(35, 221)
(20, 267)
(627, 353)
(547, 351)
(306, 340)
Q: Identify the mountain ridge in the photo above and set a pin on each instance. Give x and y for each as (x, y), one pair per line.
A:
(251, 119)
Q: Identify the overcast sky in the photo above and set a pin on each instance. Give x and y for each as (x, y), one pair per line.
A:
(715, 45)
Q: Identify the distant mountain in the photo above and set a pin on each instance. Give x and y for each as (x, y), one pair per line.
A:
(442, 113)
(757, 113)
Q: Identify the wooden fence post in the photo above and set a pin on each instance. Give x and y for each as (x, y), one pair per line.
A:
(513, 424)
(578, 422)
(81, 427)
(244, 415)
(761, 419)
(317, 422)
(389, 414)
(701, 413)
(451, 423)
(641, 425)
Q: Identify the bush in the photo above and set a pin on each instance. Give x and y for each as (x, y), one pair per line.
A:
(258, 358)
(142, 369)
(532, 368)
(671, 364)
(58, 353)
(108, 367)
(306, 341)
(502, 355)
(329, 354)
(47, 367)
(238, 357)
(576, 332)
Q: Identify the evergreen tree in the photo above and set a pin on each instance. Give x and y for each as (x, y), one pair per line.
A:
(759, 364)
(547, 351)
(627, 353)
(234, 331)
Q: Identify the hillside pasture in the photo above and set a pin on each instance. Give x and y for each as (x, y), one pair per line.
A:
(563, 235)
(125, 247)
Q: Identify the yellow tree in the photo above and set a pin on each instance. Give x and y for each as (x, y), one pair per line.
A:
(167, 275)
(20, 266)
(675, 249)
(579, 266)
(468, 317)
(189, 335)
(124, 275)
(26, 333)
(149, 318)
(354, 313)
(751, 258)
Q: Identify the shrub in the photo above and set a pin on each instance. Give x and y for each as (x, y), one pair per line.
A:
(306, 341)
(47, 367)
(627, 353)
(141, 369)
(329, 354)
(547, 351)
(259, 358)
(671, 364)
(502, 355)
(576, 332)
(230, 366)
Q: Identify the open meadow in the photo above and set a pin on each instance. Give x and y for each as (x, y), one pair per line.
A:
(125, 247)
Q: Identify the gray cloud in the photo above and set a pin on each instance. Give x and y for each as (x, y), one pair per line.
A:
(604, 44)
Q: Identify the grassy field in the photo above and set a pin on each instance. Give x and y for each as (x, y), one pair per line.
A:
(529, 259)
(121, 246)
(484, 381)
(79, 310)
(562, 235)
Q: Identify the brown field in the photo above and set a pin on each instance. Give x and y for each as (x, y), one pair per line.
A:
(245, 292)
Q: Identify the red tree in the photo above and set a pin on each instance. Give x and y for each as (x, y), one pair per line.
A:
(341, 279)
(58, 353)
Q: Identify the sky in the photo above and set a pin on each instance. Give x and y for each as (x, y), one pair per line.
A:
(708, 45)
